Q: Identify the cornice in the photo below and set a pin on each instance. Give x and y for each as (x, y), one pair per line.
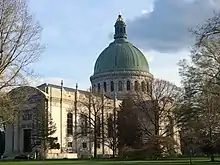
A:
(121, 74)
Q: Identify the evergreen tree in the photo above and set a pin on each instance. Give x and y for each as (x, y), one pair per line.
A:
(128, 127)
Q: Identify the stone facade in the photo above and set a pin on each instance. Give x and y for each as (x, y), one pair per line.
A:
(120, 70)
(60, 104)
(122, 83)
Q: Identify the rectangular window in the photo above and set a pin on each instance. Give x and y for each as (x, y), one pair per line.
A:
(69, 123)
(27, 140)
(70, 147)
(98, 143)
(105, 87)
(84, 145)
(112, 86)
(70, 144)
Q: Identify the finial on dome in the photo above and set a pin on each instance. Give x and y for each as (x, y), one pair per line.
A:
(120, 17)
(119, 14)
(120, 28)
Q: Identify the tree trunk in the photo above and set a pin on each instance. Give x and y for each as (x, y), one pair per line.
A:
(190, 156)
(95, 137)
(90, 134)
(103, 131)
(212, 157)
(114, 132)
(113, 149)
(210, 137)
(156, 122)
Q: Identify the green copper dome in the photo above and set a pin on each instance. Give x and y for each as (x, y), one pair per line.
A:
(121, 55)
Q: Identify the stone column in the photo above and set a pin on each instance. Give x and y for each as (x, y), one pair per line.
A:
(16, 138)
(8, 140)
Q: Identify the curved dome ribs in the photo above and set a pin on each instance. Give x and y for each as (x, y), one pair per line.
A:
(120, 65)
(121, 55)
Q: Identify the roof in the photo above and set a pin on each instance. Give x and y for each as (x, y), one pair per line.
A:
(58, 87)
(68, 89)
(121, 55)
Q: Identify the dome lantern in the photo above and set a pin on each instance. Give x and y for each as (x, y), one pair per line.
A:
(118, 65)
(120, 28)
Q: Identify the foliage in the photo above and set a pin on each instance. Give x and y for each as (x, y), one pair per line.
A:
(53, 143)
(155, 108)
(10, 104)
(43, 127)
(199, 110)
(155, 148)
(7, 114)
(128, 127)
(158, 146)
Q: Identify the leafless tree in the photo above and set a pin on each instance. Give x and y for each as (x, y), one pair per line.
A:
(210, 29)
(19, 43)
(94, 108)
(156, 105)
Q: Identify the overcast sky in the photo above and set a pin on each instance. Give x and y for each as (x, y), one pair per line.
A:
(76, 32)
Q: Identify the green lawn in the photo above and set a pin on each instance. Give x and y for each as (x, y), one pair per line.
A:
(69, 162)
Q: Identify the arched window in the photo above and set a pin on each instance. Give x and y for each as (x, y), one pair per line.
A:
(105, 86)
(121, 30)
(120, 86)
(118, 29)
(143, 86)
(128, 85)
(148, 87)
(99, 87)
(94, 88)
(69, 123)
(112, 86)
(136, 86)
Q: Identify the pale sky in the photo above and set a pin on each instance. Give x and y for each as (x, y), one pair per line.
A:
(76, 32)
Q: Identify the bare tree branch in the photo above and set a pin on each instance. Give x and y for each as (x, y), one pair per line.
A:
(19, 42)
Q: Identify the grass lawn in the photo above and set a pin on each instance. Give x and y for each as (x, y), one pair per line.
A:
(106, 162)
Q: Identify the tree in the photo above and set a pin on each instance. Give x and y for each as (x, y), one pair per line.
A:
(210, 29)
(10, 104)
(19, 43)
(6, 114)
(19, 48)
(200, 78)
(93, 119)
(203, 121)
(43, 127)
(203, 68)
(2, 143)
(128, 127)
(155, 104)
